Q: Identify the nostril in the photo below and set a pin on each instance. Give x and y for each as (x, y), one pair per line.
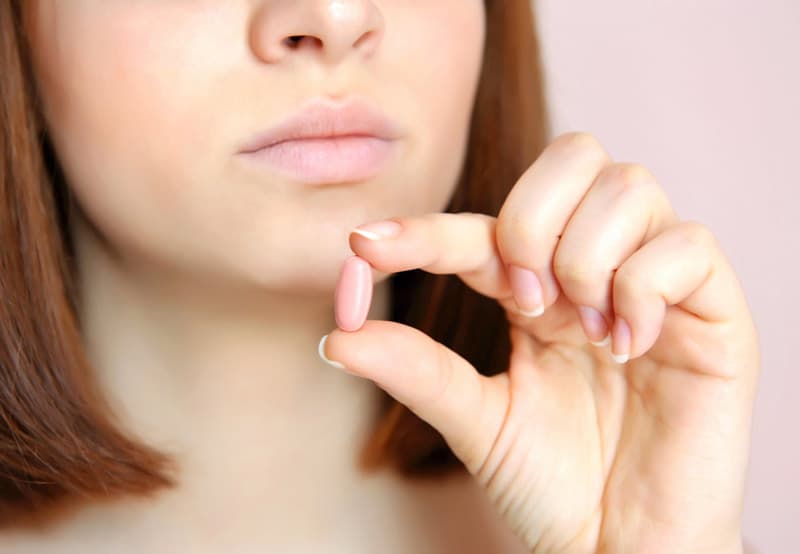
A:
(296, 41)
(293, 40)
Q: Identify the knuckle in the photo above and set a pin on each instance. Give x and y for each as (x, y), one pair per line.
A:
(580, 141)
(626, 177)
(697, 234)
(519, 228)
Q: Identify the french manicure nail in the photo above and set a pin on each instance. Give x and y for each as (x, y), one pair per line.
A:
(321, 350)
(527, 290)
(378, 230)
(594, 325)
(621, 348)
(620, 358)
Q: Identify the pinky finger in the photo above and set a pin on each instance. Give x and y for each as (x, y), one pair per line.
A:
(683, 266)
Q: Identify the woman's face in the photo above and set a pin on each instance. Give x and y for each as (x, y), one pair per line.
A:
(148, 103)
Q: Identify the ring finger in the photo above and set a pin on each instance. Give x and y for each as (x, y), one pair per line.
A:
(624, 209)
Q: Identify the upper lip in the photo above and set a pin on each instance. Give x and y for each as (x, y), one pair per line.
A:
(326, 119)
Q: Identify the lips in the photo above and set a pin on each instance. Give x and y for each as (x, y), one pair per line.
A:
(325, 119)
(326, 142)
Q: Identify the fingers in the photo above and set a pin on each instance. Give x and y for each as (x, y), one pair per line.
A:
(462, 244)
(535, 213)
(683, 266)
(624, 208)
(570, 222)
(436, 383)
(574, 221)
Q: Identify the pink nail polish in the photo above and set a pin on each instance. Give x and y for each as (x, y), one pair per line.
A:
(353, 294)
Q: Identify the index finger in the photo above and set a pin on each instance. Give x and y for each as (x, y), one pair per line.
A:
(441, 243)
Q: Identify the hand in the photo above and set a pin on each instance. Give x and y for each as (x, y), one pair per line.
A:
(580, 450)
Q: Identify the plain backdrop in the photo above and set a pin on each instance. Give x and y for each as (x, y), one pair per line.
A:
(706, 94)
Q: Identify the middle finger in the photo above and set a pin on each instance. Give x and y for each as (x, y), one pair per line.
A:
(536, 211)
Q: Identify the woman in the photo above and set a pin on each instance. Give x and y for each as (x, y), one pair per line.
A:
(552, 360)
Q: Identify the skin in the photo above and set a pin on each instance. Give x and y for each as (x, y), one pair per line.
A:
(207, 286)
(581, 451)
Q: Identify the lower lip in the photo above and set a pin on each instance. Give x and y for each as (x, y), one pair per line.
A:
(318, 161)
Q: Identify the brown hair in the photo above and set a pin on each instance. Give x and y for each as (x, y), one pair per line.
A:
(59, 441)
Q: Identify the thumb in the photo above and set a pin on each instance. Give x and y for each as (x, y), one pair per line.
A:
(434, 382)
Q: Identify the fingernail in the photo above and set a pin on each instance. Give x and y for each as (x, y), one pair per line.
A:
(605, 342)
(621, 333)
(378, 230)
(321, 350)
(527, 291)
(594, 325)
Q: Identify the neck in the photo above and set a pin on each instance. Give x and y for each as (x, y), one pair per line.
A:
(225, 378)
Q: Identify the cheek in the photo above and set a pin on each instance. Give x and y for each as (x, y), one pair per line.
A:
(116, 89)
(121, 104)
(440, 72)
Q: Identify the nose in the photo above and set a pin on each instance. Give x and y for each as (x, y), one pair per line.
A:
(329, 29)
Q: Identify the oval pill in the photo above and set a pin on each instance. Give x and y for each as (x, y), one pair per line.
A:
(353, 294)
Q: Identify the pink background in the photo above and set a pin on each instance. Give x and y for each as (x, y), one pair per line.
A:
(706, 94)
